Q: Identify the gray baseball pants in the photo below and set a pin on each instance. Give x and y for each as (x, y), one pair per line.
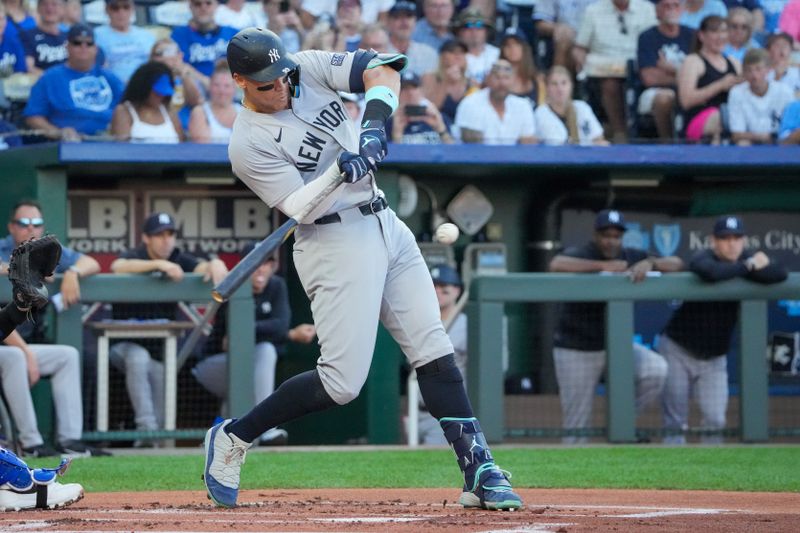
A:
(704, 379)
(212, 372)
(62, 364)
(144, 379)
(358, 271)
(578, 373)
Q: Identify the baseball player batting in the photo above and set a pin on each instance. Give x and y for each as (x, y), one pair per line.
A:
(356, 260)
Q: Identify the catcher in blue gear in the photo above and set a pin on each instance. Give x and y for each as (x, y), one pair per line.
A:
(20, 486)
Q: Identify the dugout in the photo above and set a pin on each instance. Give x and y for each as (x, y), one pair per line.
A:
(529, 187)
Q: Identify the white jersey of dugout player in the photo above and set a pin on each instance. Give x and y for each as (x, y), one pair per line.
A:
(275, 154)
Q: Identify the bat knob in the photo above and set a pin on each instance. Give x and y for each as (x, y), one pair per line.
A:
(217, 297)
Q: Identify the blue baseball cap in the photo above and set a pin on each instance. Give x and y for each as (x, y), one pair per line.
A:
(158, 222)
(163, 86)
(609, 218)
(445, 275)
(728, 225)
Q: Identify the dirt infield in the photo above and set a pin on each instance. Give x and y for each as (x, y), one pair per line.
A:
(405, 510)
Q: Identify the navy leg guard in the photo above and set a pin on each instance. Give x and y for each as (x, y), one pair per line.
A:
(485, 485)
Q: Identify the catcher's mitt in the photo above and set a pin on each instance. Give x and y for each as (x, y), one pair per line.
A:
(31, 262)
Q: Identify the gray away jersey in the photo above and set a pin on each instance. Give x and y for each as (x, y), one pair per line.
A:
(276, 154)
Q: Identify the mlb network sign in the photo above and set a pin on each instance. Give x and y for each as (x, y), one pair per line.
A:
(105, 223)
(776, 234)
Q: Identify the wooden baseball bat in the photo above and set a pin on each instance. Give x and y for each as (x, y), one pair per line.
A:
(249, 263)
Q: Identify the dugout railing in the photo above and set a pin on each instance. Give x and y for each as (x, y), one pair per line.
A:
(489, 295)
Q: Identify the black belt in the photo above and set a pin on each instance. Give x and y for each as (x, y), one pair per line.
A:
(376, 205)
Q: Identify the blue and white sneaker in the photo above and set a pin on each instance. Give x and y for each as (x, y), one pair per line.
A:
(491, 490)
(225, 454)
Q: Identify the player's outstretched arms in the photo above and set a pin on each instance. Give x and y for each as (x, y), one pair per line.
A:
(353, 166)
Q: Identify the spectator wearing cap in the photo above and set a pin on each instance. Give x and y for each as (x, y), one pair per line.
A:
(402, 20)
(495, 116)
(202, 40)
(77, 98)
(417, 121)
(434, 28)
(756, 107)
(447, 86)
(158, 253)
(45, 45)
(273, 333)
(779, 48)
(124, 45)
(579, 351)
(696, 340)
(559, 20)
(515, 49)
(472, 29)
(448, 286)
(606, 40)
(660, 53)
(144, 116)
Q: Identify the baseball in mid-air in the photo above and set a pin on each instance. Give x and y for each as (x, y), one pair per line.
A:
(447, 233)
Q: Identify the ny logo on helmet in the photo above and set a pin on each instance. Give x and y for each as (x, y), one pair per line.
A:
(274, 55)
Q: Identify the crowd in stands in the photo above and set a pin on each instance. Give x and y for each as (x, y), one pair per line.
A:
(564, 72)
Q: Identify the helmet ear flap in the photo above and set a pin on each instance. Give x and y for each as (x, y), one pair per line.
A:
(294, 82)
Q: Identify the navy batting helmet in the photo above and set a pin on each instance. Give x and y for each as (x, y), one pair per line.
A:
(259, 54)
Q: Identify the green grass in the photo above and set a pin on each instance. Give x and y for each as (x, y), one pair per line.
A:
(769, 469)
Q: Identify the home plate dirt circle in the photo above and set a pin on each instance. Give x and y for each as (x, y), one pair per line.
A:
(406, 510)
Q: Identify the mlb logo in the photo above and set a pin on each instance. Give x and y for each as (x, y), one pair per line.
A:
(337, 60)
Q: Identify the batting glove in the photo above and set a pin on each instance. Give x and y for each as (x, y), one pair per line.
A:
(373, 144)
(353, 166)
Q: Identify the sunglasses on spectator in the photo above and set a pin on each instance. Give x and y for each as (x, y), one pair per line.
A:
(78, 42)
(475, 24)
(623, 28)
(734, 26)
(24, 222)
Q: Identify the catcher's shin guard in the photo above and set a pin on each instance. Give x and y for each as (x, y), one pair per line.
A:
(485, 485)
(23, 488)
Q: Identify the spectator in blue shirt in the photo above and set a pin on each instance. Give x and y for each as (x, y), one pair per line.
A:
(124, 45)
(772, 14)
(434, 29)
(740, 34)
(790, 124)
(694, 11)
(202, 41)
(12, 55)
(76, 98)
(45, 45)
(754, 7)
(19, 15)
